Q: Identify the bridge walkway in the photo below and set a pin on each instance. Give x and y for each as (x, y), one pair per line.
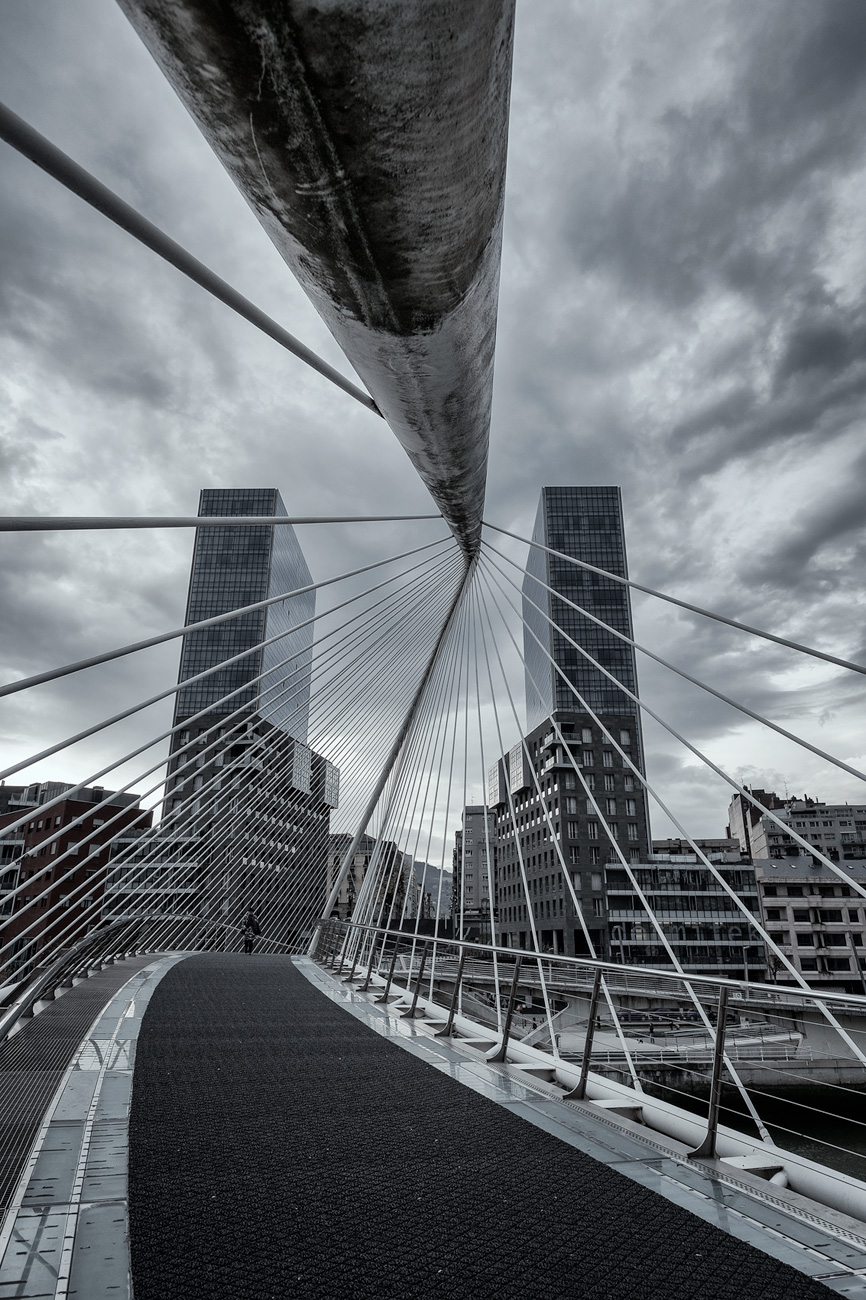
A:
(280, 1147)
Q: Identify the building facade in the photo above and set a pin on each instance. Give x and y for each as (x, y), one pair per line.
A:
(474, 859)
(65, 852)
(838, 831)
(568, 797)
(706, 930)
(393, 873)
(242, 779)
(817, 920)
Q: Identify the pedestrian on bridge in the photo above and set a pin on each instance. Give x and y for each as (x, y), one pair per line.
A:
(250, 931)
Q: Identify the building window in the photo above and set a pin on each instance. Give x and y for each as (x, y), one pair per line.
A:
(628, 783)
(570, 781)
(586, 735)
(598, 907)
(775, 914)
(634, 855)
(574, 854)
(573, 830)
(838, 963)
(625, 738)
(808, 963)
(571, 805)
(631, 808)
(611, 807)
(607, 758)
(770, 891)
(596, 880)
(592, 830)
(587, 758)
(594, 854)
(805, 941)
(632, 831)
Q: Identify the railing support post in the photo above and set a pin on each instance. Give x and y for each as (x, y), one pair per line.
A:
(362, 988)
(316, 944)
(506, 1028)
(343, 947)
(360, 941)
(384, 997)
(448, 1031)
(578, 1092)
(410, 1014)
(707, 1149)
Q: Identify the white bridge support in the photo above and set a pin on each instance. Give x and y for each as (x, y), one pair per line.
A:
(369, 137)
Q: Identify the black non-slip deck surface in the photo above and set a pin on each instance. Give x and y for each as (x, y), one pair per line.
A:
(34, 1060)
(280, 1148)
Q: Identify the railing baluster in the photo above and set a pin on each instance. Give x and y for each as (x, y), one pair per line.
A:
(707, 1149)
(578, 1092)
(384, 997)
(362, 988)
(410, 1014)
(506, 1028)
(448, 1031)
(359, 942)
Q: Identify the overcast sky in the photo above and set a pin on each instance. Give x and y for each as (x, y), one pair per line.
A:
(681, 313)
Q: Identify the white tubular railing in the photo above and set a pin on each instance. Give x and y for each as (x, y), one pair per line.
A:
(427, 975)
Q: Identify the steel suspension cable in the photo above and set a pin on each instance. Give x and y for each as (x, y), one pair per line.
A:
(11, 688)
(683, 604)
(21, 136)
(90, 811)
(589, 794)
(627, 761)
(696, 681)
(746, 794)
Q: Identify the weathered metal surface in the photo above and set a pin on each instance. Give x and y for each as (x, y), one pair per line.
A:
(369, 137)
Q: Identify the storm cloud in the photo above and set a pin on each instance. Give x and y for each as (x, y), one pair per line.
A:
(682, 312)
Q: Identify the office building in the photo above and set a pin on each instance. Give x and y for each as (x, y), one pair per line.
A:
(242, 778)
(232, 568)
(817, 920)
(565, 795)
(394, 877)
(474, 868)
(706, 930)
(838, 831)
(73, 840)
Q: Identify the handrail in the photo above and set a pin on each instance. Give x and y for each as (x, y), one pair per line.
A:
(49, 976)
(608, 1079)
(854, 1001)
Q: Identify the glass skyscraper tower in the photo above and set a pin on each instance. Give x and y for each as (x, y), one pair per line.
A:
(585, 523)
(538, 790)
(243, 782)
(234, 567)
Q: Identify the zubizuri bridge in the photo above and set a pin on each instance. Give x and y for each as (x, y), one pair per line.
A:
(368, 1104)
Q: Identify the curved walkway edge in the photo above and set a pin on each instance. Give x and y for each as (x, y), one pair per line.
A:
(65, 1232)
(280, 1147)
